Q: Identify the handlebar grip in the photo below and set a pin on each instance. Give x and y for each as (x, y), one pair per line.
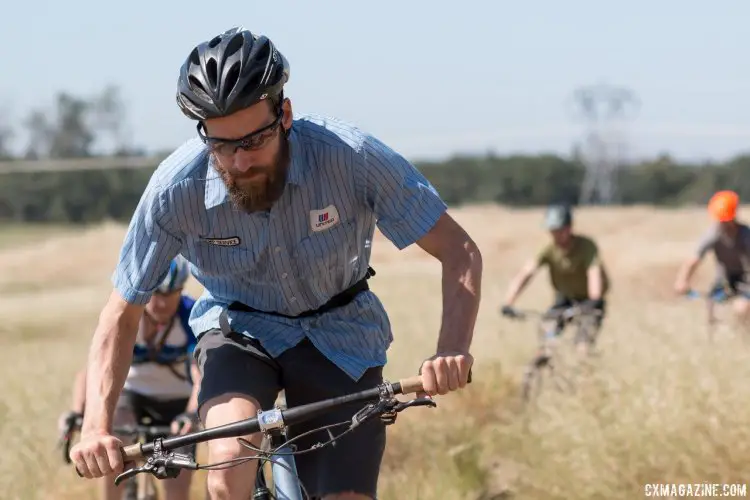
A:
(411, 384)
(414, 384)
(132, 452)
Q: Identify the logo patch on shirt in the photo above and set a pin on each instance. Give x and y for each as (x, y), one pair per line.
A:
(320, 220)
(223, 242)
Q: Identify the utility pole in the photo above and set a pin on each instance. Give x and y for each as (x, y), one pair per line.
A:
(603, 108)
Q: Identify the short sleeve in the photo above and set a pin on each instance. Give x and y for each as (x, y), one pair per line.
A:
(707, 242)
(543, 257)
(592, 254)
(405, 204)
(151, 242)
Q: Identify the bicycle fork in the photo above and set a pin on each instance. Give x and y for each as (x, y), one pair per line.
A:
(283, 470)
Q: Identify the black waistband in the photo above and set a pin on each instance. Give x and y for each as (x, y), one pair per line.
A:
(338, 300)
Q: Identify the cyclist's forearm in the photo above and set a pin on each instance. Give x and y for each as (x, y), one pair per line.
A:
(594, 283)
(687, 270)
(109, 361)
(516, 287)
(462, 283)
(79, 392)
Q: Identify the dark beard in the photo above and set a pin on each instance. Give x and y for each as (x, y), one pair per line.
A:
(258, 197)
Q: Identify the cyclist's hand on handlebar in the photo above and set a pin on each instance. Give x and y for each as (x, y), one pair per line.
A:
(97, 455)
(67, 421)
(445, 372)
(185, 423)
(508, 311)
(589, 305)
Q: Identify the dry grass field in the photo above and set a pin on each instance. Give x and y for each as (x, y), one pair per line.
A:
(661, 404)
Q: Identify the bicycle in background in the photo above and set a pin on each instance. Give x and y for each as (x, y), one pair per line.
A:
(548, 362)
(718, 297)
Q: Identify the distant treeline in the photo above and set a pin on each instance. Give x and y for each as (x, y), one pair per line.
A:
(96, 195)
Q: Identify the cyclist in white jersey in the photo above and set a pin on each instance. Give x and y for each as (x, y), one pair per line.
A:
(163, 380)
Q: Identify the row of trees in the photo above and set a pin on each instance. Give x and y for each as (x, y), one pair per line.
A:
(88, 196)
(72, 128)
(78, 127)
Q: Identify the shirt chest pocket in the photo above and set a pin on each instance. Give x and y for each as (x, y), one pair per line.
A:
(218, 260)
(326, 251)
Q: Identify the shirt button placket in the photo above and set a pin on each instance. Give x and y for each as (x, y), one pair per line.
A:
(282, 263)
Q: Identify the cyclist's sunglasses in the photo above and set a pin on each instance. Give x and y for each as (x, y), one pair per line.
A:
(251, 142)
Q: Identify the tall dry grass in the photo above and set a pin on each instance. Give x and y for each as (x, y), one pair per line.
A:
(661, 403)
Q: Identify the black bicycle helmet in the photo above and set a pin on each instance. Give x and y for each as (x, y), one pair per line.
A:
(557, 217)
(228, 73)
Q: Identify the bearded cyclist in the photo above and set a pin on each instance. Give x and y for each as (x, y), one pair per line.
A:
(163, 379)
(277, 213)
(729, 241)
(576, 271)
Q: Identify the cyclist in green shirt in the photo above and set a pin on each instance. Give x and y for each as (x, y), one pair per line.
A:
(576, 271)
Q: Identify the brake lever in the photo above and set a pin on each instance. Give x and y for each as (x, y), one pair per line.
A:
(163, 467)
(400, 406)
(129, 473)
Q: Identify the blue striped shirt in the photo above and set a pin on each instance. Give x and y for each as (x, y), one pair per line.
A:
(313, 243)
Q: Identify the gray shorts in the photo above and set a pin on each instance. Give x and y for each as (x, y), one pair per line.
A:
(236, 363)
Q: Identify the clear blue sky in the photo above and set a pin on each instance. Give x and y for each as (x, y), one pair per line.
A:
(431, 78)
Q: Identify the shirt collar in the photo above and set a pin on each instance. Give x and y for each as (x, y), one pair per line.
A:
(216, 192)
(296, 172)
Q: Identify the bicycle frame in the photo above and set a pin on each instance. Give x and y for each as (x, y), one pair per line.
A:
(572, 316)
(283, 467)
(714, 298)
(283, 472)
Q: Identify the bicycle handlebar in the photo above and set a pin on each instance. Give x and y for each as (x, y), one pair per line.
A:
(270, 419)
(567, 313)
(164, 464)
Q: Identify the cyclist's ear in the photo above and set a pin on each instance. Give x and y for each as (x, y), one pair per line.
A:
(286, 121)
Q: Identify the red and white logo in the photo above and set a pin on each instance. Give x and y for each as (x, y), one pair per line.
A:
(323, 219)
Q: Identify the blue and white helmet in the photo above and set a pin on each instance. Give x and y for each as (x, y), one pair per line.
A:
(178, 274)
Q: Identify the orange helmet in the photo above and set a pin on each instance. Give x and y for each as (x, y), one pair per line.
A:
(723, 206)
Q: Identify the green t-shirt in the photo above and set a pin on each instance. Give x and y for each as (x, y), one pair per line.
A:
(568, 269)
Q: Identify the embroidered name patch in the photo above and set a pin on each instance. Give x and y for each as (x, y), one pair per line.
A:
(223, 242)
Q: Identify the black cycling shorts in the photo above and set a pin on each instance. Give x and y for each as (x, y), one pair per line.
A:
(234, 363)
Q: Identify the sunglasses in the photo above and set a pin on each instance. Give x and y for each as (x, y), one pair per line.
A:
(251, 142)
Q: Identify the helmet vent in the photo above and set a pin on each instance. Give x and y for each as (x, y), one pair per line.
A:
(235, 45)
(230, 81)
(211, 72)
(197, 87)
(194, 58)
